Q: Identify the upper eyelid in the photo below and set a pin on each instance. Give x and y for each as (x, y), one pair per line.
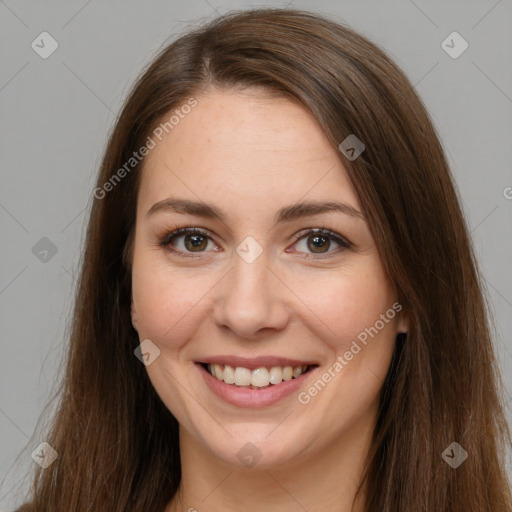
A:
(322, 231)
(338, 238)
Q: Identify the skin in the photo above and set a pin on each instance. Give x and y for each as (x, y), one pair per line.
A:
(250, 155)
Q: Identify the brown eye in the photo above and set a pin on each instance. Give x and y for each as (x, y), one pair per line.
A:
(318, 243)
(186, 241)
(195, 243)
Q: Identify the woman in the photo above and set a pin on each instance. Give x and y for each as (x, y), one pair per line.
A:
(279, 307)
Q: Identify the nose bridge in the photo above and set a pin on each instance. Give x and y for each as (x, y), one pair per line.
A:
(250, 299)
(250, 276)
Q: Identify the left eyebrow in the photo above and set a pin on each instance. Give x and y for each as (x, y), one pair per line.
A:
(307, 209)
(286, 214)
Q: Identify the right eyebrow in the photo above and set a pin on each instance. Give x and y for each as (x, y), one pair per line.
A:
(186, 206)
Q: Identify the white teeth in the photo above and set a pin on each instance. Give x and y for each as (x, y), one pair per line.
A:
(276, 375)
(229, 374)
(218, 371)
(287, 373)
(258, 378)
(242, 376)
(297, 372)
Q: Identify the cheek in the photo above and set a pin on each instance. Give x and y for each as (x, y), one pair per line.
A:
(168, 303)
(346, 305)
(359, 341)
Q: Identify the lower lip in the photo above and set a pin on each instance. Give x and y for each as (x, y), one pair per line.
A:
(245, 397)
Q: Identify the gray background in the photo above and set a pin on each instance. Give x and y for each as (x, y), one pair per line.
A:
(57, 112)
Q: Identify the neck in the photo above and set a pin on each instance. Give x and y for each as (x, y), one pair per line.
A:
(326, 482)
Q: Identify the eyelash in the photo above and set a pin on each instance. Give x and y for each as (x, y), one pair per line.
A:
(165, 241)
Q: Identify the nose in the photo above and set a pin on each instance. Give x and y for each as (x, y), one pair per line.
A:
(251, 300)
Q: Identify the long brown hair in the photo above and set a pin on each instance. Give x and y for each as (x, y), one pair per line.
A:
(118, 443)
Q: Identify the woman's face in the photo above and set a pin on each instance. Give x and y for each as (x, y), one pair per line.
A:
(252, 290)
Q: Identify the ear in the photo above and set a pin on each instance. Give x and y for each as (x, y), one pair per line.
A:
(403, 322)
(133, 313)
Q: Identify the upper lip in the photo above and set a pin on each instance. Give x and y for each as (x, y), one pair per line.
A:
(255, 362)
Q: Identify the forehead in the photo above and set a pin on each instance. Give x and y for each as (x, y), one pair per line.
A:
(246, 150)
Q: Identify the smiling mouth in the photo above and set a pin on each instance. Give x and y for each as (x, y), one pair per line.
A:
(257, 378)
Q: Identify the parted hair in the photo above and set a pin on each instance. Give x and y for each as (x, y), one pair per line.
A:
(118, 443)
